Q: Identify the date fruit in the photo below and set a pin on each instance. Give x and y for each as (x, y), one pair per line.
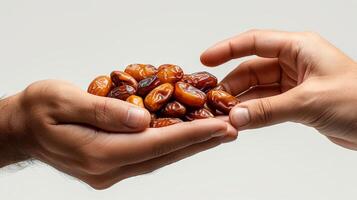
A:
(221, 100)
(119, 78)
(122, 92)
(158, 97)
(169, 73)
(219, 87)
(170, 95)
(203, 81)
(148, 84)
(140, 71)
(136, 100)
(189, 95)
(100, 86)
(174, 109)
(202, 113)
(161, 122)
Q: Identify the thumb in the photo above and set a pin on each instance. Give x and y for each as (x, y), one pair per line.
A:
(112, 115)
(267, 111)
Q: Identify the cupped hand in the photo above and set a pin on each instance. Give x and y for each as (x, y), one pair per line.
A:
(296, 77)
(100, 140)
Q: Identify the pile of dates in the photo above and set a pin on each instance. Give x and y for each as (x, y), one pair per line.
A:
(170, 95)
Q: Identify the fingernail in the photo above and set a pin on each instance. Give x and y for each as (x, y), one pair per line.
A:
(240, 117)
(135, 117)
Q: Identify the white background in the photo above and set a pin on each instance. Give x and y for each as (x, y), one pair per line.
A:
(77, 40)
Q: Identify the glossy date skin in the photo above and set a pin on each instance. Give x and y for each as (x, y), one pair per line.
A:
(221, 100)
(158, 97)
(140, 71)
(169, 73)
(122, 92)
(189, 95)
(202, 113)
(203, 81)
(100, 86)
(148, 84)
(120, 78)
(136, 100)
(174, 109)
(162, 122)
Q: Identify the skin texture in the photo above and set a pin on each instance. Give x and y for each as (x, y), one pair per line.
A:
(297, 77)
(98, 140)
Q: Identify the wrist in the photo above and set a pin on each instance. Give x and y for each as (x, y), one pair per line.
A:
(12, 139)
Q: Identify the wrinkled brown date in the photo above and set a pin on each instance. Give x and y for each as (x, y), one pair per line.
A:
(189, 95)
(122, 92)
(166, 92)
(202, 113)
(174, 109)
(136, 100)
(203, 81)
(140, 71)
(148, 84)
(100, 86)
(161, 122)
(169, 73)
(120, 78)
(221, 100)
(158, 97)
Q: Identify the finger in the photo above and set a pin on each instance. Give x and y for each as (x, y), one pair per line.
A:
(259, 71)
(343, 143)
(145, 167)
(154, 164)
(125, 149)
(260, 92)
(108, 114)
(263, 43)
(267, 111)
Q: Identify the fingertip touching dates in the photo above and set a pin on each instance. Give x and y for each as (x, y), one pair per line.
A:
(170, 95)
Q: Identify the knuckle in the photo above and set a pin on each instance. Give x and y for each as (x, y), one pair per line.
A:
(263, 113)
(100, 111)
(49, 92)
(308, 36)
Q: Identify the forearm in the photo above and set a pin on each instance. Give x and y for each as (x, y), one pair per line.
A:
(10, 140)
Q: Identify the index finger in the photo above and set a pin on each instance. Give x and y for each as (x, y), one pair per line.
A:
(263, 43)
(156, 142)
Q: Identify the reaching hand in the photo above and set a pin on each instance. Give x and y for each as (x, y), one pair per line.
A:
(298, 77)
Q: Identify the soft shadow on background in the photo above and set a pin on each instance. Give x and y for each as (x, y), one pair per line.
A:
(77, 40)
